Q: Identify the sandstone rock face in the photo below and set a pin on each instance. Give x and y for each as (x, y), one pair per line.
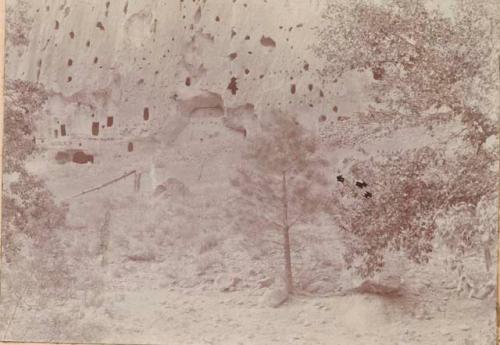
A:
(105, 61)
(148, 79)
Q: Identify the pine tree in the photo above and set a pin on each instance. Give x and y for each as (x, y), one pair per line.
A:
(281, 183)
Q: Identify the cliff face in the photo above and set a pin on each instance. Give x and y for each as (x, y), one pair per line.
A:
(195, 75)
(120, 59)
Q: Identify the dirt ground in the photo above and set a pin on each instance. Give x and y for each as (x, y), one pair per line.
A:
(155, 285)
(169, 316)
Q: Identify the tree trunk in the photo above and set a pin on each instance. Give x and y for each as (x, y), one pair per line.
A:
(286, 240)
(288, 261)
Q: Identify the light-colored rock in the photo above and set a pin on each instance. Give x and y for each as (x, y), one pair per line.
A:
(226, 283)
(275, 297)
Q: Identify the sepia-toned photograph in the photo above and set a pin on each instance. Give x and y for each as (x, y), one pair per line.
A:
(250, 172)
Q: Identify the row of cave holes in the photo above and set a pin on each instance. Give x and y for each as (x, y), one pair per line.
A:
(87, 44)
(293, 89)
(109, 122)
(96, 125)
(125, 10)
(70, 63)
(99, 25)
(95, 131)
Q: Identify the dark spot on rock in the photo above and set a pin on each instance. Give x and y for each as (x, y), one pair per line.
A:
(233, 33)
(109, 121)
(130, 147)
(197, 15)
(57, 25)
(321, 94)
(81, 157)
(322, 118)
(247, 71)
(267, 42)
(217, 19)
(310, 87)
(145, 114)
(247, 37)
(188, 81)
(72, 35)
(95, 128)
(63, 130)
(335, 109)
(378, 73)
(233, 86)
(125, 8)
(233, 56)
(70, 79)
(306, 67)
(56, 133)
(100, 26)
(63, 157)
(70, 62)
(293, 89)
(87, 44)
(96, 59)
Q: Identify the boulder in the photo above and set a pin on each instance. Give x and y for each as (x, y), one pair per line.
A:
(385, 288)
(226, 283)
(275, 297)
